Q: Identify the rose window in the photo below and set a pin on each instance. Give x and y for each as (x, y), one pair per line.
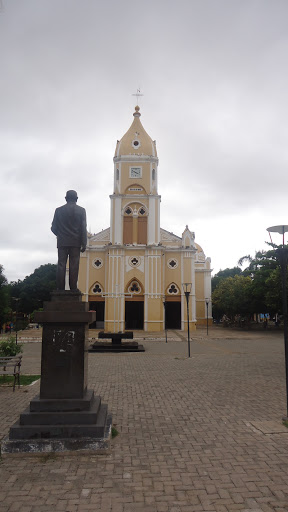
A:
(98, 263)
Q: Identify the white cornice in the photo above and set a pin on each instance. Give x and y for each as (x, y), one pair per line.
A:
(135, 158)
(134, 196)
(100, 248)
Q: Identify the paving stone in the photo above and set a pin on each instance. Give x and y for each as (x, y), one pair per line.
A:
(199, 434)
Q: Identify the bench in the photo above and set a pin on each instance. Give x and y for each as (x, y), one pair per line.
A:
(11, 366)
(116, 337)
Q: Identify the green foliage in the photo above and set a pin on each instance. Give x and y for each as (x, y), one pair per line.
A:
(9, 348)
(114, 432)
(244, 258)
(260, 293)
(232, 296)
(261, 268)
(273, 296)
(5, 310)
(223, 274)
(47, 457)
(35, 289)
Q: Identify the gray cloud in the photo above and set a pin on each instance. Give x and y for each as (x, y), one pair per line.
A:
(214, 75)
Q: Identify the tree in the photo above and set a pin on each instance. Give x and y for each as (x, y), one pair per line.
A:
(5, 310)
(273, 295)
(261, 293)
(223, 274)
(232, 296)
(260, 269)
(35, 289)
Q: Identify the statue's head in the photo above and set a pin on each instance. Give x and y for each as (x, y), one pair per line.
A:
(71, 196)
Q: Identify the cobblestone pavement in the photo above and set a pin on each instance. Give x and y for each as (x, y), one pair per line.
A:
(199, 434)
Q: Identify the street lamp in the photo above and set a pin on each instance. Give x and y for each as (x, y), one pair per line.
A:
(164, 306)
(282, 256)
(187, 290)
(207, 304)
(16, 324)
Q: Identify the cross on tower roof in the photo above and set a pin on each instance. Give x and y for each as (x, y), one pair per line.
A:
(138, 93)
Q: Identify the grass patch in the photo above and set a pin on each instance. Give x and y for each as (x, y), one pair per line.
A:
(47, 457)
(114, 432)
(285, 423)
(25, 380)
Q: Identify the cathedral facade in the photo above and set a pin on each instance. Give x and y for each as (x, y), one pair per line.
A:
(133, 273)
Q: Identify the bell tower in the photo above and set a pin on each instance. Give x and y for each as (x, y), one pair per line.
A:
(135, 203)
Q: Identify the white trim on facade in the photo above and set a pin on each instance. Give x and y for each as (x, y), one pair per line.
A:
(151, 222)
(135, 158)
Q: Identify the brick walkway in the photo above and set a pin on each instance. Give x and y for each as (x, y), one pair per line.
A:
(199, 434)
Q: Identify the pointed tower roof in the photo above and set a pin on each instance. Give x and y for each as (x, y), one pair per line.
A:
(136, 140)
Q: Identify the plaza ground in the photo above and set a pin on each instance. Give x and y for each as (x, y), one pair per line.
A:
(202, 433)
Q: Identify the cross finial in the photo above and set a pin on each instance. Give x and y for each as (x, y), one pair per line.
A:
(138, 93)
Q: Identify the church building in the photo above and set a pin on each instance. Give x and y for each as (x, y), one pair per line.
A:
(133, 273)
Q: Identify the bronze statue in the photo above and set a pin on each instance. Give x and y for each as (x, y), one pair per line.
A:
(69, 225)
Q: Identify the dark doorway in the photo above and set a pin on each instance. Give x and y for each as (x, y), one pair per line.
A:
(173, 315)
(134, 314)
(99, 307)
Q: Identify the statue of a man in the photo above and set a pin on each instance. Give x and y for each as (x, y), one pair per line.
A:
(69, 225)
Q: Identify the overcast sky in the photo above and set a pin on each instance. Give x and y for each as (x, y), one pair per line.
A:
(214, 75)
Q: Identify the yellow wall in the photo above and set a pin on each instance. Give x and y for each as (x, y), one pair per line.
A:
(126, 181)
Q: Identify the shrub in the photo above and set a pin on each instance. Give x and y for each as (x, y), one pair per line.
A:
(9, 348)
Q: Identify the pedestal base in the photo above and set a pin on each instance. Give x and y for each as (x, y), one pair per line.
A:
(35, 446)
(99, 346)
(63, 420)
(66, 416)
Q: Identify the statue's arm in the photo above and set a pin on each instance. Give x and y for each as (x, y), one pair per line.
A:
(54, 224)
(83, 231)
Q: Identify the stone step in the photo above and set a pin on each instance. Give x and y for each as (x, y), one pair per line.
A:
(65, 431)
(62, 417)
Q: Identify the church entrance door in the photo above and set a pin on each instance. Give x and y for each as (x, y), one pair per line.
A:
(173, 315)
(99, 307)
(134, 314)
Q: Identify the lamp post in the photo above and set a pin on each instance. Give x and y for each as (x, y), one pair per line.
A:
(207, 305)
(164, 306)
(187, 290)
(282, 256)
(16, 323)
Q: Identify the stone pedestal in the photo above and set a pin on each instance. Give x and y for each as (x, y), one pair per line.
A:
(116, 345)
(66, 415)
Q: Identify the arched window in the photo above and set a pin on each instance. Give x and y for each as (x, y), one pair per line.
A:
(135, 224)
(142, 226)
(128, 226)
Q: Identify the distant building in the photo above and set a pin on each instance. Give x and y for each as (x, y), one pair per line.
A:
(131, 268)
